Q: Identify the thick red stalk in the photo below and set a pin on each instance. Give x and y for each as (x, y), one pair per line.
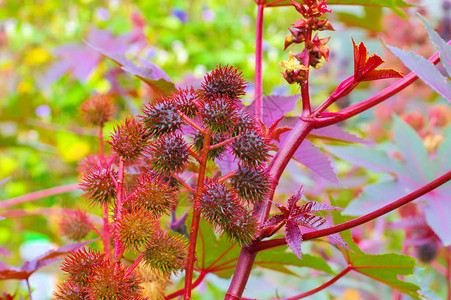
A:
(106, 226)
(258, 64)
(259, 246)
(306, 109)
(39, 194)
(196, 218)
(278, 164)
(135, 263)
(316, 290)
(120, 186)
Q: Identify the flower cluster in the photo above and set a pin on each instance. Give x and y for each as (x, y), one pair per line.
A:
(301, 32)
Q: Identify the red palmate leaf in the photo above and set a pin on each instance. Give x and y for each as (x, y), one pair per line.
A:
(293, 236)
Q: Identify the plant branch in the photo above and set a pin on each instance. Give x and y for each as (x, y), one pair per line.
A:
(381, 96)
(263, 245)
(39, 194)
(226, 177)
(196, 218)
(192, 122)
(135, 263)
(316, 290)
(223, 143)
(120, 187)
(183, 182)
(195, 284)
(258, 81)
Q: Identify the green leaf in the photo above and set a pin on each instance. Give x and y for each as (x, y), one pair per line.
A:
(278, 259)
(215, 253)
(385, 268)
(371, 20)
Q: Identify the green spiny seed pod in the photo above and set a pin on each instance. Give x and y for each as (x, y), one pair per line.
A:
(97, 183)
(251, 183)
(218, 204)
(219, 115)
(251, 148)
(129, 139)
(224, 81)
(154, 194)
(136, 228)
(166, 253)
(161, 117)
(215, 139)
(168, 154)
(97, 110)
(184, 100)
(75, 226)
(69, 290)
(243, 229)
(79, 264)
(110, 280)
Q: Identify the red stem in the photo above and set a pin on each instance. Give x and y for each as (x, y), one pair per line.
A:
(258, 64)
(17, 213)
(360, 107)
(195, 284)
(39, 194)
(259, 246)
(196, 218)
(135, 263)
(120, 186)
(306, 109)
(316, 290)
(106, 226)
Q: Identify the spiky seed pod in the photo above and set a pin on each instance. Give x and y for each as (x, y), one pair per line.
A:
(136, 228)
(154, 282)
(79, 264)
(110, 280)
(75, 226)
(166, 253)
(98, 184)
(153, 194)
(251, 183)
(245, 122)
(97, 110)
(243, 229)
(219, 115)
(129, 139)
(168, 154)
(218, 204)
(183, 100)
(251, 148)
(225, 81)
(161, 117)
(215, 139)
(68, 290)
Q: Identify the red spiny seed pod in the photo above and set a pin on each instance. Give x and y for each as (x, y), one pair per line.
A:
(224, 81)
(243, 229)
(153, 194)
(79, 264)
(169, 154)
(129, 139)
(97, 110)
(244, 122)
(184, 101)
(251, 148)
(110, 280)
(219, 115)
(136, 228)
(251, 183)
(215, 139)
(75, 225)
(218, 204)
(161, 117)
(166, 253)
(68, 290)
(97, 183)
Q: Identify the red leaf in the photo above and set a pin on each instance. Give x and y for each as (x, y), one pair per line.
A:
(294, 199)
(274, 220)
(313, 206)
(365, 67)
(316, 222)
(293, 236)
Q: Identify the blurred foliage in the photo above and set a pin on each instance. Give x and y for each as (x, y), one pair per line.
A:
(42, 137)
